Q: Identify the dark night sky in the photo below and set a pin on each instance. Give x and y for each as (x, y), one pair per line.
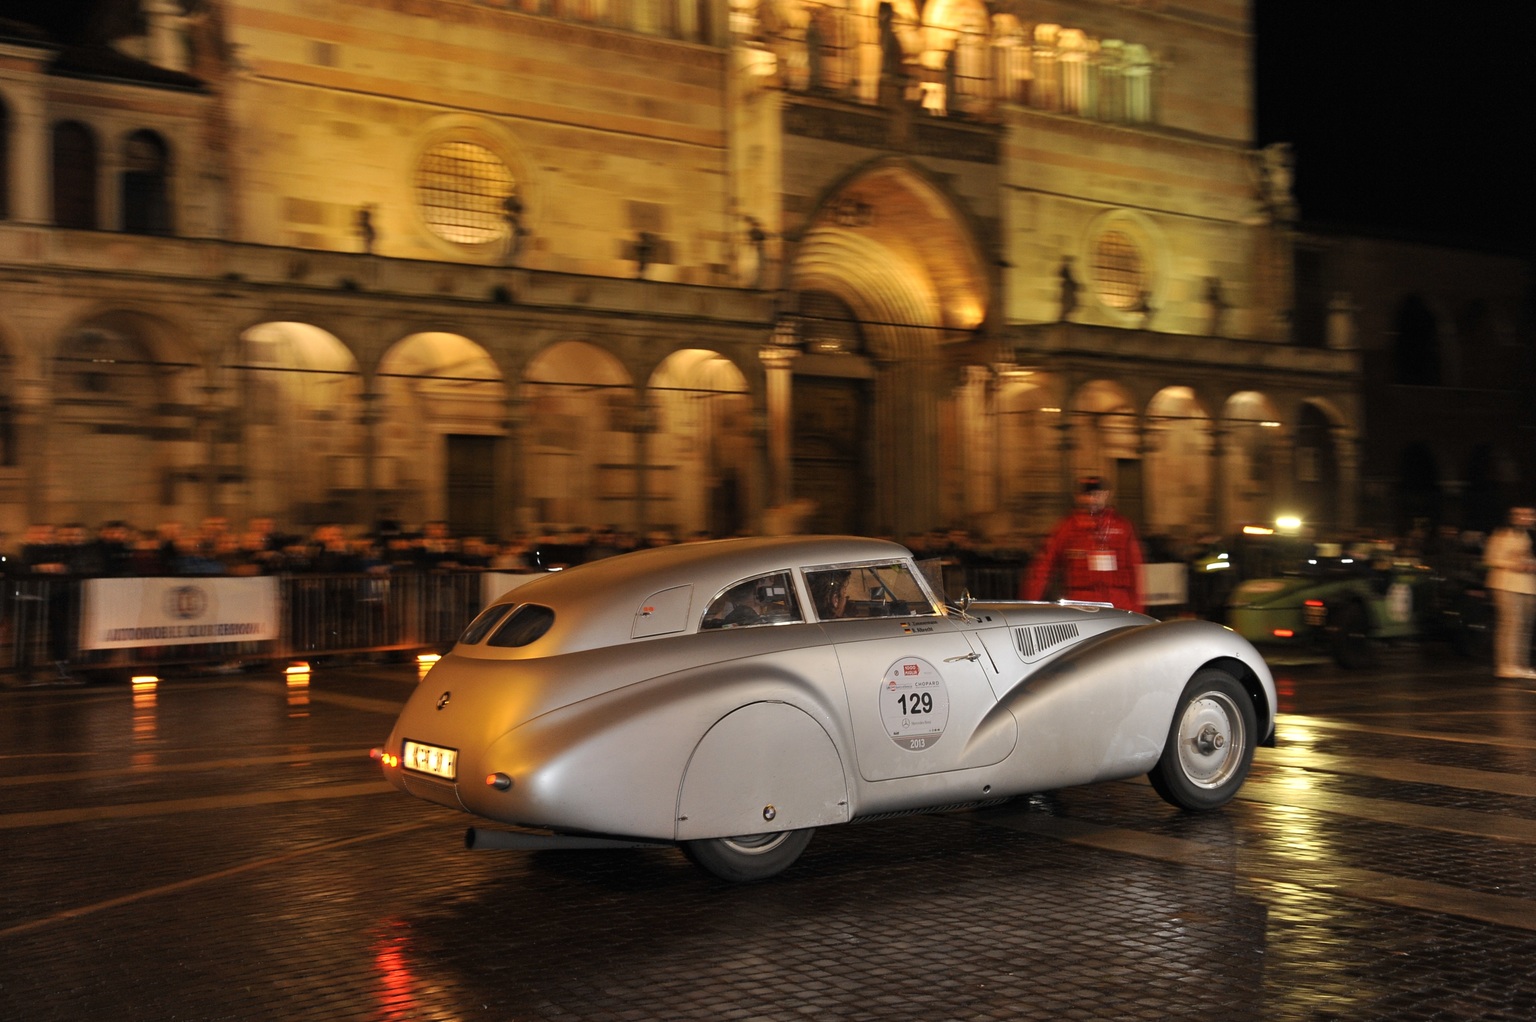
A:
(1410, 118)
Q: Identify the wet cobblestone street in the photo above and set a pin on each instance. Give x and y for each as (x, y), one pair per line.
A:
(222, 848)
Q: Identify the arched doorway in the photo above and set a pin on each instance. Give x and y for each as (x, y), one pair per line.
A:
(1178, 465)
(1418, 489)
(580, 461)
(1106, 442)
(443, 407)
(703, 454)
(125, 435)
(1318, 484)
(888, 279)
(1029, 446)
(300, 393)
(1253, 477)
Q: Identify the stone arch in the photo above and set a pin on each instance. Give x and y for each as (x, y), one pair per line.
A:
(902, 255)
(7, 149)
(439, 429)
(1029, 411)
(145, 184)
(1105, 427)
(1179, 464)
(703, 447)
(127, 431)
(8, 400)
(1254, 481)
(1487, 488)
(1420, 487)
(75, 155)
(1417, 338)
(301, 394)
(1320, 465)
(580, 456)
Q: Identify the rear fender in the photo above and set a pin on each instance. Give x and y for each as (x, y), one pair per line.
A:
(765, 767)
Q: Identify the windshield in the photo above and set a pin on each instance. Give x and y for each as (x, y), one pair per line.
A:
(868, 590)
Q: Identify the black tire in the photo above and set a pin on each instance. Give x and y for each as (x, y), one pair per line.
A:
(1473, 637)
(1210, 743)
(1352, 644)
(751, 857)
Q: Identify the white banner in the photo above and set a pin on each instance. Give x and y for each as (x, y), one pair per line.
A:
(1165, 585)
(117, 613)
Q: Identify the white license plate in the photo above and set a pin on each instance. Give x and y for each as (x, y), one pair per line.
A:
(431, 759)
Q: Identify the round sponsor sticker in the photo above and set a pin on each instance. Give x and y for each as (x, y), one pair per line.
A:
(914, 704)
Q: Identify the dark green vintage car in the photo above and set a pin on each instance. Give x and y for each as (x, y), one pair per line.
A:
(1345, 606)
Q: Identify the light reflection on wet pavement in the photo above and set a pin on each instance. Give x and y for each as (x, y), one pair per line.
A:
(221, 848)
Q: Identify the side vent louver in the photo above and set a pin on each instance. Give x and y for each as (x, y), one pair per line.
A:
(1034, 641)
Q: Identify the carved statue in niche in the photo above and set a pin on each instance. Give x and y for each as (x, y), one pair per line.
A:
(1273, 166)
(1069, 289)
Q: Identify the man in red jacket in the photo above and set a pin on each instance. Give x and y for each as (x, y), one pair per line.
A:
(1095, 551)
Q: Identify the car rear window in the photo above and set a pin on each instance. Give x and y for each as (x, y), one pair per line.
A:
(481, 625)
(526, 624)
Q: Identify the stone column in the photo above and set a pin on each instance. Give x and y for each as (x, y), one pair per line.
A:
(978, 447)
(208, 415)
(778, 361)
(1218, 495)
(30, 153)
(31, 425)
(641, 426)
(509, 480)
(368, 420)
(1347, 448)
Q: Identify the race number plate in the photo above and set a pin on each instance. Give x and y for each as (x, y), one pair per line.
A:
(430, 759)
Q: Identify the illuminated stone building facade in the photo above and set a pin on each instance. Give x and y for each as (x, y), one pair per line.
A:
(681, 264)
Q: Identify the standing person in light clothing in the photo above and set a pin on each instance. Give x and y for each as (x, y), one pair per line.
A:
(1512, 577)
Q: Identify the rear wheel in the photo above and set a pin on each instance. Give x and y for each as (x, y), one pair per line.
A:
(1351, 637)
(1210, 743)
(750, 857)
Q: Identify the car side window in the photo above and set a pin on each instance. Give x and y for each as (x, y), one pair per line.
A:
(481, 626)
(765, 600)
(526, 624)
(869, 590)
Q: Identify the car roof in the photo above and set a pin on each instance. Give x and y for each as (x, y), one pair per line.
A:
(602, 602)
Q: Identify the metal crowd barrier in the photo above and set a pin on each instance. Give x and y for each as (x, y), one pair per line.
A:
(320, 615)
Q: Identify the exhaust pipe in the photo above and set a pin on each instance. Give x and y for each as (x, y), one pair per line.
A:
(479, 837)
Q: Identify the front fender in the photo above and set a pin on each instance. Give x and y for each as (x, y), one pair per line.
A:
(1102, 709)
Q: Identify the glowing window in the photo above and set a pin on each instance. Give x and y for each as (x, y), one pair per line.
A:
(463, 189)
(1118, 275)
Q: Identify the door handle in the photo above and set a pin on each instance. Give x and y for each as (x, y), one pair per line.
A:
(963, 656)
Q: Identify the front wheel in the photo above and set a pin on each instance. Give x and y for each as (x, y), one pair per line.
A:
(1210, 743)
(751, 857)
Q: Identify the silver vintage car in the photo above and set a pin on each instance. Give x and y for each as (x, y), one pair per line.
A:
(730, 697)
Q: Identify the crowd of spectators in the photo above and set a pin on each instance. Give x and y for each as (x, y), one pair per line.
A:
(214, 547)
(118, 549)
